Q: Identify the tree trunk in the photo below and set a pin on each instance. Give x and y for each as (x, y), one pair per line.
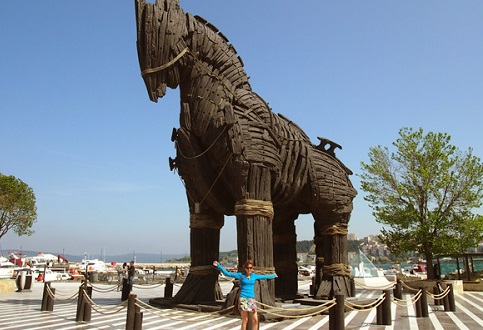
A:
(429, 265)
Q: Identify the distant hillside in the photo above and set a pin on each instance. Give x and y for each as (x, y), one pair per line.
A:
(140, 257)
(230, 256)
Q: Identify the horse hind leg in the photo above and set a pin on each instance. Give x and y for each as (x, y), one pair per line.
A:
(285, 253)
(331, 248)
(331, 206)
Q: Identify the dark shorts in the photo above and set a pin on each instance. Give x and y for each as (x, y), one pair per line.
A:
(248, 304)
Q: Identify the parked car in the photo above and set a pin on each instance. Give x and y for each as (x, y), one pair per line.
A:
(63, 276)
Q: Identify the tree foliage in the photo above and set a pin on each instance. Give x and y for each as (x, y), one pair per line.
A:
(17, 206)
(354, 245)
(425, 193)
(305, 246)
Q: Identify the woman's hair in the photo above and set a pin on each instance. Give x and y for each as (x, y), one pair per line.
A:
(248, 262)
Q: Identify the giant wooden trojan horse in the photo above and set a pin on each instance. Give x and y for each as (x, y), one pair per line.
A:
(236, 157)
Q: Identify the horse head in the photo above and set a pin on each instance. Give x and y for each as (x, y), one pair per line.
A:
(161, 29)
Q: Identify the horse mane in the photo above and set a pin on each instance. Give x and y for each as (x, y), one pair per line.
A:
(213, 48)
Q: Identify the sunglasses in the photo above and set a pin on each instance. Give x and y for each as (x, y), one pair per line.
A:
(248, 267)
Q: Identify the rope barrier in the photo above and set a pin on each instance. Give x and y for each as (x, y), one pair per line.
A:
(147, 286)
(98, 308)
(263, 311)
(444, 292)
(62, 293)
(442, 295)
(53, 295)
(390, 285)
(273, 310)
(408, 287)
(109, 289)
(439, 296)
(416, 297)
(310, 311)
(154, 311)
(370, 306)
(298, 309)
(327, 305)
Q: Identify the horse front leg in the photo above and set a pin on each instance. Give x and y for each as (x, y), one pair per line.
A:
(254, 214)
(201, 285)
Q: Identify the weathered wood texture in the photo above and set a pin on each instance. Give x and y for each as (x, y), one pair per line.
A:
(236, 157)
(285, 257)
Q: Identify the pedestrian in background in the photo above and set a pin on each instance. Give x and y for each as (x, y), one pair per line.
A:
(130, 273)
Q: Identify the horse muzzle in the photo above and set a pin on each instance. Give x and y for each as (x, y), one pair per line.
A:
(155, 90)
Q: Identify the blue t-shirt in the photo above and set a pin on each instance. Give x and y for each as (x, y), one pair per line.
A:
(247, 289)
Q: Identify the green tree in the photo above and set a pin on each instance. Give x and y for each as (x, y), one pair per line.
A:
(304, 246)
(17, 206)
(425, 193)
(354, 246)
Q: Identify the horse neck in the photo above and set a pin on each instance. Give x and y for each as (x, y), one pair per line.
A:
(213, 58)
(213, 52)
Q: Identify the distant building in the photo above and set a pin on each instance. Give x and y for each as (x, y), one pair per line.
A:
(352, 237)
(373, 247)
(371, 238)
(302, 256)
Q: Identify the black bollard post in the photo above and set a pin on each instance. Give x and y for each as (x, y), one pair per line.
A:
(80, 305)
(398, 290)
(125, 290)
(419, 311)
(87, 305)
(138, 321)
(45, 296)
(424, 302)
(50, 300)
(436, 292)
(131, 312)
(446, 301)
(452, 304)
(379, 315)
(84, 311)
(336, 313)
(386, 308)
(168, 290)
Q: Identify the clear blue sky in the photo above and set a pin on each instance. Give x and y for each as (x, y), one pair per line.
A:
(77, 126)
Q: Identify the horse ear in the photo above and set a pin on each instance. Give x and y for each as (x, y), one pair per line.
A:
(175, 3)
(167, 4)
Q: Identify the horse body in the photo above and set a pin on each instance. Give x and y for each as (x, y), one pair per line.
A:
(237, 157)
